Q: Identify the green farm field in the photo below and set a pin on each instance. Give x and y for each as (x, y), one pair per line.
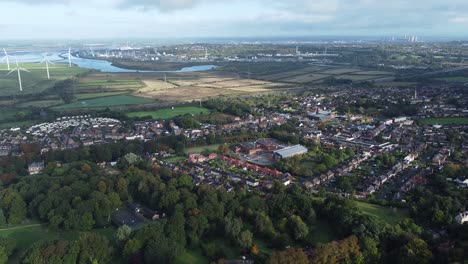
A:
(306, 78)
(340, 71)
(454, 79)
(16, 124)
(356, 78)
(373, 73)
(90, 84)
(41, 103)
(118, 100)
(170, 113)
(84, 96)
(7, 113)
(34, 81)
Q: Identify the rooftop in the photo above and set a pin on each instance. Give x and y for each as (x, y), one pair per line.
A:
(290, 151)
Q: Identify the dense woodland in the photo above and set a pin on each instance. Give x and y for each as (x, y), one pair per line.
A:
(81, 196)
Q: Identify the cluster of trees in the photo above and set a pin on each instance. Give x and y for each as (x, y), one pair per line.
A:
(359, 106)
(204, 214)
(401, 243)
(318, 160)
(10, 167)
(231, 107)
(400, 109)
(349, 183)
(64, 89)
(285, 133)
(344, 251)
(372, 107)
(437, 204)
(76, 198)
(12, 207)
(89, 248)
(387, 160)
(113, 151)
(80, 196)
(82, 199)
(187, 121)
(7, 247)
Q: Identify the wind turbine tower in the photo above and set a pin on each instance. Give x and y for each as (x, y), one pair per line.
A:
(18, 69)
(6, 58)
(69, 58)
(46, 61)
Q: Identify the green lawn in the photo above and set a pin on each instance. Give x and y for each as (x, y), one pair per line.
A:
(170, 113)
(229, 251)
(321, 232)
(174, 159)
(26, 235)
(445, 121)
(386, 214)
(32, 232)
(118, 100)
(192, 256)
(198, 150)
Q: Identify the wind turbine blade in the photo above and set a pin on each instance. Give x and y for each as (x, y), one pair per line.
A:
(22, 69)
(6, 58)
(11, 71)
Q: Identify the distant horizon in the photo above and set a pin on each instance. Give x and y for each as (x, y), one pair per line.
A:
(279, 38)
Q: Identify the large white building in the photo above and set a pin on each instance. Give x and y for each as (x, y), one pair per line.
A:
(291, 151)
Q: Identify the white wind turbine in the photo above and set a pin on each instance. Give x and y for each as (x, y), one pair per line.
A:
(46, 60)
(6, 58)
(69, 58)
(18, 69)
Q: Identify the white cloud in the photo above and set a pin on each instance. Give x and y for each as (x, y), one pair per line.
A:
(459, 19)
(235, 17)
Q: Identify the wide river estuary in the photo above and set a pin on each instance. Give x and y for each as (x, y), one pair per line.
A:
(100, 65)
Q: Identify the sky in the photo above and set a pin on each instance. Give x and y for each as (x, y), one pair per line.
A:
(157, 19)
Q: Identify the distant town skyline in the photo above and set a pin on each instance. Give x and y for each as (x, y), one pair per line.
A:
(74, 19)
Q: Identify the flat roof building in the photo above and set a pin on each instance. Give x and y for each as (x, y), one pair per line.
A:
(290, 151)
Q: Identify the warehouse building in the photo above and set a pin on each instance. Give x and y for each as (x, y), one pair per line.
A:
(289, 151)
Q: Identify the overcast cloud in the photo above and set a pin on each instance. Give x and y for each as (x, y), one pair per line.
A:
(26, 19)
